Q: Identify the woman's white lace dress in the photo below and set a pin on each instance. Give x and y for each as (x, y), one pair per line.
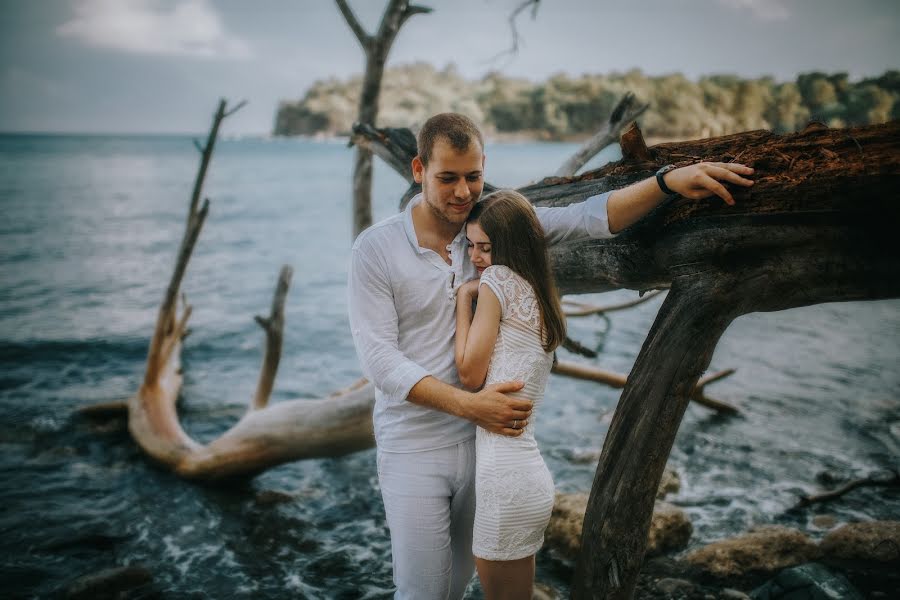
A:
(513, 487)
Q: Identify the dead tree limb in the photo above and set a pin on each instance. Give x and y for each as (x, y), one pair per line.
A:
(583, 310)
(376, 48)
(273, 325)
(625, 112)
(871, 481)
(514, 30)
(576, 347)
(267, 435)
(618, 381)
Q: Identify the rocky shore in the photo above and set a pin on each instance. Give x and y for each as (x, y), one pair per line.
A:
(770, 562)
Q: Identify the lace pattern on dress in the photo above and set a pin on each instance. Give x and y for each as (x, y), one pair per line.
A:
(516, 295)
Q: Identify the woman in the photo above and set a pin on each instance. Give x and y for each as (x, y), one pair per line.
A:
(516, 326)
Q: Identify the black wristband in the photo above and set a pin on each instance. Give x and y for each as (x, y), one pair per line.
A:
(662, 182)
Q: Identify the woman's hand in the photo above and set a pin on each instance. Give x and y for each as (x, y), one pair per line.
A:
(469, 290)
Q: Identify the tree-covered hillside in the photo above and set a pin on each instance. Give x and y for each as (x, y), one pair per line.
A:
(564, 106)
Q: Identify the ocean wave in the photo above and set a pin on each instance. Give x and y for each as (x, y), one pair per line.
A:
(30, 351)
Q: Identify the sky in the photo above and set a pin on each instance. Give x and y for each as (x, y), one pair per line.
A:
(159, 66)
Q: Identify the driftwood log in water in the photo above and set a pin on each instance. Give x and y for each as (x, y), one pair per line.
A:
(266, 435)
(817, 226)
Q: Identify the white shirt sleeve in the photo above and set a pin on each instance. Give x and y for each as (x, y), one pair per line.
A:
(373, 323)
(577, 221)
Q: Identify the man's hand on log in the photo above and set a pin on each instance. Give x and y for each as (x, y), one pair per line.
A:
(703, 179)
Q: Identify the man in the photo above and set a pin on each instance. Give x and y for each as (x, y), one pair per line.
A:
(404, 273)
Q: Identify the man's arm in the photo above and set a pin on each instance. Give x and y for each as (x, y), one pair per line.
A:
(606, 214)
(373, 323)
(702, 180)
(490, 408)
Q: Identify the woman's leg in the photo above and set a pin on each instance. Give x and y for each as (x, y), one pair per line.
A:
(506, 579)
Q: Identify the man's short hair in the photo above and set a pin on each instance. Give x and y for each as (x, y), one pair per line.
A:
(457, 129)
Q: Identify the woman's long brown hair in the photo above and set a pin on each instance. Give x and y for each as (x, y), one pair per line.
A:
(517, 241)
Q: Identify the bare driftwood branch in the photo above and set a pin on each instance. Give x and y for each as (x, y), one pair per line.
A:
(376, 49)
(364, 39)
(871, 481)
(273, 325)
(392, 145)
(625, 112)
(577, 347)
(618, 381)
(236, 108)
(267, 435)
(583, 310)
(514, 31)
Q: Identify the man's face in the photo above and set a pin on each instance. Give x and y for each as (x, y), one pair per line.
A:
(452, 181)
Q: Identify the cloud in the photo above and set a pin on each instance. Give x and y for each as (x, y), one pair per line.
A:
(187, 28)
(767, 10)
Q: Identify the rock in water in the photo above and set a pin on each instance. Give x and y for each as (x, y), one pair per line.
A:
(762, 550)
(670, 527)
(877, 541)
(670, 483)
(811, 581)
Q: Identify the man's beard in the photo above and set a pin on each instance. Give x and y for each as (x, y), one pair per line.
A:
(446, 216)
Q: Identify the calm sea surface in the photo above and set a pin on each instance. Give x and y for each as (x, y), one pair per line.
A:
(87, 241)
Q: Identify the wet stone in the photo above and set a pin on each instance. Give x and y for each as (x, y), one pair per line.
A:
(673, 586)
(876, 541)
(811, 581)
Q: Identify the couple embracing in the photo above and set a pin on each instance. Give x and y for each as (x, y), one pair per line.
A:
(455, 316)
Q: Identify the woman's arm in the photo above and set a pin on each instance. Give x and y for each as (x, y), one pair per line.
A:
(475, 337)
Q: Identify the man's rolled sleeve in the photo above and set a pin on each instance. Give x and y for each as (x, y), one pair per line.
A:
(582, 220)
(373, 323)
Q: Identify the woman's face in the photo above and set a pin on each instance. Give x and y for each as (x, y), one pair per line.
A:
(479, 247)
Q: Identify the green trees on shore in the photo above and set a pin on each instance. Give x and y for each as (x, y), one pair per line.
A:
(565, 107)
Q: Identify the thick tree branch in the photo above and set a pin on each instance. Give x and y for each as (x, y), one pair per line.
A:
(625, 112)
(364, 39)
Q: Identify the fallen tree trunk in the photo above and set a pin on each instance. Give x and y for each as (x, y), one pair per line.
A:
(817, 226)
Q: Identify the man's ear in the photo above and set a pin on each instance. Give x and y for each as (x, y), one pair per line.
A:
(418, 169)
